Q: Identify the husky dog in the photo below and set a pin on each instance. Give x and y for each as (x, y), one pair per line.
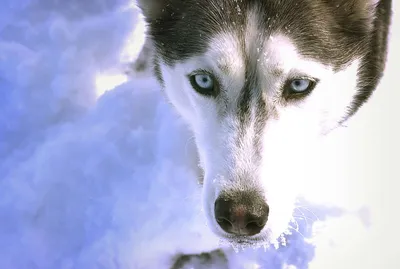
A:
(255, 80)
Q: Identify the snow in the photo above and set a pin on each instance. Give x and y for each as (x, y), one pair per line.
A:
(92, 173)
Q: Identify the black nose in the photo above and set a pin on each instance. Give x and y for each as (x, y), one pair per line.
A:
(241, 214)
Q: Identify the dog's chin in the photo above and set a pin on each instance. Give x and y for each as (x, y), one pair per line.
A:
(264, 239)
(238, 242)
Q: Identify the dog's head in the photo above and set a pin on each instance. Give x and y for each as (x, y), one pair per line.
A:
(256, 80)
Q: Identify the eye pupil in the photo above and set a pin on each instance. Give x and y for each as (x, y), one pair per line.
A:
(299, 87)
(203, 83)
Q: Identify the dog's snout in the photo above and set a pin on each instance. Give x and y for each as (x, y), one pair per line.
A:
(239, 216)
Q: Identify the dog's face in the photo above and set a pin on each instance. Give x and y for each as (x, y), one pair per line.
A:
(256, 81)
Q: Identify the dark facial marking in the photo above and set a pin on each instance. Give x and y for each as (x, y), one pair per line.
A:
(333, 32)
(250, 94)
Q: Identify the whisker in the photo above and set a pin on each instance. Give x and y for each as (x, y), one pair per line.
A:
(303, 217)
(308, 210)
(187, 143)
(297, 224)
(304, 238)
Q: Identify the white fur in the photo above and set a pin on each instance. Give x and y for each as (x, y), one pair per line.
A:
(285, 137)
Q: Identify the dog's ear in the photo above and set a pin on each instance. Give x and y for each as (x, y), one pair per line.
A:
(153, 9)
(365, 9)
(357, 11)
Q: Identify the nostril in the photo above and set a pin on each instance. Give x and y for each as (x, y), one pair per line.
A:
(222, 210)
(255, 224)
(254, 227)
(225, 224)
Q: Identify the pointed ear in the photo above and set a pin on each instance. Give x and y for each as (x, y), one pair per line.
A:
(363, 11)
(366, 9)
(152, 9)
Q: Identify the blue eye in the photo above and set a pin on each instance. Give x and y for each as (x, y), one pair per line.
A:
(203, 83)
(299, 87)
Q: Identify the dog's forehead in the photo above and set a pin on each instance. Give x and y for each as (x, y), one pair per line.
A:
(275, 55)
(189, 27)
(252, 52)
